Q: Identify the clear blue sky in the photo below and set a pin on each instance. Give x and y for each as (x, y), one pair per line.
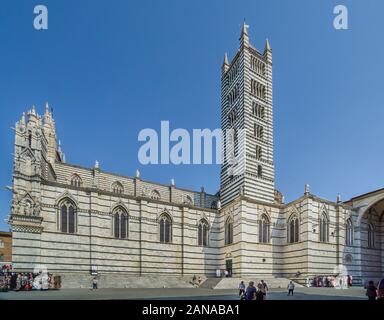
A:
(112, 68)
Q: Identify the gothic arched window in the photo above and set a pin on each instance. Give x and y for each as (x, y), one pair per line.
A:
(68, 218)
(155, 195)
(323, 228)
(165, 225)
(264, 229)
(229, 231)
(293, 229)
(349, 232)
(188, 200)
(371, 236)
(203, 233)
(120, 223)
(117, 187)
(76, 180)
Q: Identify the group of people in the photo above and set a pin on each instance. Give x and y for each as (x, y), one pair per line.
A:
(27, 281)
(330, 281)
(6, 268)
(253, 293)
(259, 292)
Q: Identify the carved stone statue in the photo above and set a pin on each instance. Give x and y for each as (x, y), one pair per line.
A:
(36, 210)
(27, 208)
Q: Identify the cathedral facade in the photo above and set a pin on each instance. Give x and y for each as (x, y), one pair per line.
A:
(73, 219)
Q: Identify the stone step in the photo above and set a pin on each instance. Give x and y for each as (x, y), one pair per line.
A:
(210, 283)
(121, 281)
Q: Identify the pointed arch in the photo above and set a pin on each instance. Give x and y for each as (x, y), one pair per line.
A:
(264, 228)
(203, 233)
(229, 230)
(75, 180)
(66, 195)
(27, 153)
(67, 216)
(165, 228)
(117, 187)
(323, 227)
(349, 232)
(155, 195)
(120, 222)
(188, 200)
(293, 229)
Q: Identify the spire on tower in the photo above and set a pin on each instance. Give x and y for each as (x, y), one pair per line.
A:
(267, 46)
(244, 30)
(23, 120)
(225, 65)
(225, 59)
(46, 108)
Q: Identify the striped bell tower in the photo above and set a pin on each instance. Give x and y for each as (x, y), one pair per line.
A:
(247, 123)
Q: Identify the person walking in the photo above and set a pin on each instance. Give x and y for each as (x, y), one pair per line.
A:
(371, 291)
(251, 291)
(94, 283)
(290, 288)
(265, 286)
(241, 288)
(261, 293)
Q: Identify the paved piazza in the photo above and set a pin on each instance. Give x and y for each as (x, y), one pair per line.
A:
(181, 294)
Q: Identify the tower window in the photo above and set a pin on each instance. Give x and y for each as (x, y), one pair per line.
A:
(259, 171)
(257, 65)
(258, 152)
(257, 89)
(232, 117)
(258, 131)
(233, 95)
(258, 110)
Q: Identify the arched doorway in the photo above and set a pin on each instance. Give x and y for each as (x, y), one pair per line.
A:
(365, 243)
(371, 227)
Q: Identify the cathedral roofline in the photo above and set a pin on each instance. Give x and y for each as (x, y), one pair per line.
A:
(131, 177)
(364, 195)
(314, 197)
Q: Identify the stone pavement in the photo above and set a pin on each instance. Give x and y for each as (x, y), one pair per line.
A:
(182, 294)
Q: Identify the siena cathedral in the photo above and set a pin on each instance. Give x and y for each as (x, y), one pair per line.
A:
(71, 219)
